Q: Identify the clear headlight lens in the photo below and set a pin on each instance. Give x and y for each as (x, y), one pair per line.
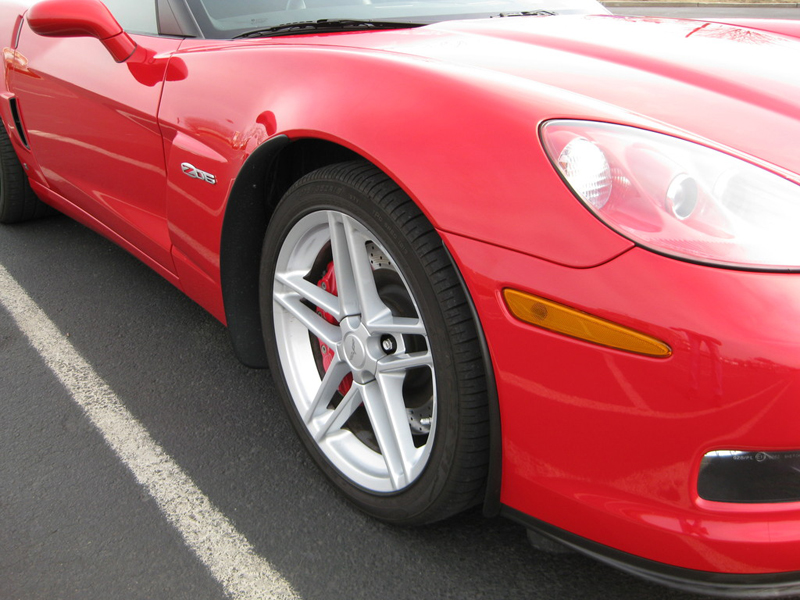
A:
(679, 198)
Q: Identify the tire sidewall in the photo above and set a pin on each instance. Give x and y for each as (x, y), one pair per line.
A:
(6, 208)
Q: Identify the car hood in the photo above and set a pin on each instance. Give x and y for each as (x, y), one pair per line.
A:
(721, 84)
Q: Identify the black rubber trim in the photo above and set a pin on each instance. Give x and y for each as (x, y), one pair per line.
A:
(491, 501)
(175, 19)
(724, 585)
(246, 216)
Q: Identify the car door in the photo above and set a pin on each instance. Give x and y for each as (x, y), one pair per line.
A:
(91, 124)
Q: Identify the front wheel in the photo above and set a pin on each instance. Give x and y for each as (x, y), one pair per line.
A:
(373, 347)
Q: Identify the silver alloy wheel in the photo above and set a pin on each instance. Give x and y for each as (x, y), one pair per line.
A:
(386, 352)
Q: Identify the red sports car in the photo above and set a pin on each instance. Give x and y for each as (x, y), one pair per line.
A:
(520, 253)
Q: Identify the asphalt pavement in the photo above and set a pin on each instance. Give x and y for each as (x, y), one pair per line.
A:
(683, 10)
(75, 523)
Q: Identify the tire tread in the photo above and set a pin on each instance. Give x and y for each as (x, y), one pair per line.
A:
(465, 482)
(467, 486)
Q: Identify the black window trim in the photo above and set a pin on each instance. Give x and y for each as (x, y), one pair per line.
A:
(176, 19)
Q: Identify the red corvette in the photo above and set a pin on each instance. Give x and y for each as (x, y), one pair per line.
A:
(493, 251)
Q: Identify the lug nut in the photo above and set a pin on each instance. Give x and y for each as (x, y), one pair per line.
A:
(389, 344)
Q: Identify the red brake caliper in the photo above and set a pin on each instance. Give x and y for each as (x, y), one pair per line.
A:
(328, 283)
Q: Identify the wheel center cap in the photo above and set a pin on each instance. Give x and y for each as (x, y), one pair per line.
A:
(354, 351)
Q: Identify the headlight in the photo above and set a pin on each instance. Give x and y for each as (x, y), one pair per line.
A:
(679, 198)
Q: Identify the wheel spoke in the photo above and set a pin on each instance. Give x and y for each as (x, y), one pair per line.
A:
(371, 307)
(342, 266)
(338, 417)
(336, 281)
(313, 293)
(383, 399)
(402, 362)
(327, 387)
(399, 326)
(326, 332)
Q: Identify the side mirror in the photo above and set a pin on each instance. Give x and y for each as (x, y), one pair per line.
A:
(81, 18)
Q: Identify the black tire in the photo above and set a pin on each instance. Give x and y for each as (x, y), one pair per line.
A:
(18, 203)
(415, 279)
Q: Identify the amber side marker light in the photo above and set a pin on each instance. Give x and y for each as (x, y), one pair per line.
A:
(583, 326)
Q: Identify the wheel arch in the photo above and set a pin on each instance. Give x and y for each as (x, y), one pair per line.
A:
(263, 180)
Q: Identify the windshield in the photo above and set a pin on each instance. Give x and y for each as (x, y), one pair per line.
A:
(229, 18)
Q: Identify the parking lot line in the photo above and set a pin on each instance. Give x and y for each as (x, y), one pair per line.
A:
(227, 554)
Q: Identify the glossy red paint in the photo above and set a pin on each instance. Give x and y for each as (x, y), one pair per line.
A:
(788, 27)
(539, 216)
(607, 444)
(218, 133)
(71, 18)
(597, 442)
(60, 103)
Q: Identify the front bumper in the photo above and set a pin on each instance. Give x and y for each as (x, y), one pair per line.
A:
(725, 585)
(607, 445)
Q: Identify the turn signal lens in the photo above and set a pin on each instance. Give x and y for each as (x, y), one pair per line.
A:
(586, 168)
(578, 324)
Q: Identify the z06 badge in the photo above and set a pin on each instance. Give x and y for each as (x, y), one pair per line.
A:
(195, 173)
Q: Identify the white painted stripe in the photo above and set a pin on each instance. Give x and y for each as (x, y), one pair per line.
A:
(216, 542)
